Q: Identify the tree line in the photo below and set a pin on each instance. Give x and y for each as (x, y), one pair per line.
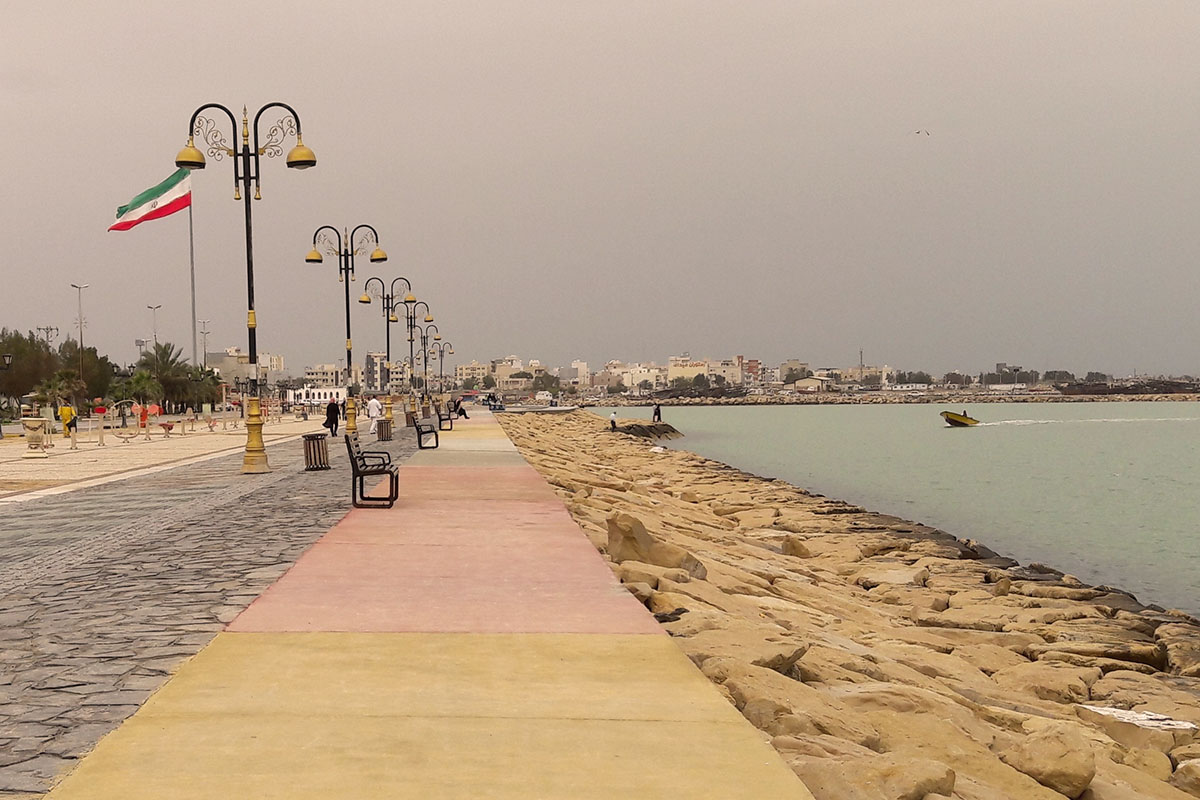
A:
(50, 375)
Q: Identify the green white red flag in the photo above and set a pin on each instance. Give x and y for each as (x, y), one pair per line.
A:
(173, 194)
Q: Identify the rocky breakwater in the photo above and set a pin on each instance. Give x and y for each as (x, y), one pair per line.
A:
(882, 658)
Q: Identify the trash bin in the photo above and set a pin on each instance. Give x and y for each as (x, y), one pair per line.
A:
(383, 430)
(316, 452)
(410, 419)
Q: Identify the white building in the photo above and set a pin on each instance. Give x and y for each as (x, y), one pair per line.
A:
(315, 397)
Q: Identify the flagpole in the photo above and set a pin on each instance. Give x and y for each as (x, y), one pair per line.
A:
(192, 253)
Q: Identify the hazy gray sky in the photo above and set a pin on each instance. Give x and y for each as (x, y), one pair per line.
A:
(631, 179)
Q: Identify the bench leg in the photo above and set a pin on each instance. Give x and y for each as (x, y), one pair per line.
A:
(360, 498)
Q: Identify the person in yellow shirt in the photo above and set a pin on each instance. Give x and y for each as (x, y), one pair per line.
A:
(66, 413)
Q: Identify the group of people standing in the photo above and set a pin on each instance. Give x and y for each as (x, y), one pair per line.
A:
(335, 412)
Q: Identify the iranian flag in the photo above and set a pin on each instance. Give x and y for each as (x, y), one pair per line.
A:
(173, 194)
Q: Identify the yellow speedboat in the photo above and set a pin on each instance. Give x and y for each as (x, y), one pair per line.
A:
(956, 420)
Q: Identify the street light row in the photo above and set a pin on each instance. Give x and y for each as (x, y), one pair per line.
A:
(345, 245)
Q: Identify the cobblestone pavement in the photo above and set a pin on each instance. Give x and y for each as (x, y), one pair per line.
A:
(105, 590)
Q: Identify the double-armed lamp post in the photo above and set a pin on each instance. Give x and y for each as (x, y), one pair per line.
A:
(246, 163)
(411, 304)
(425, 351)
(345, 248)
(388, 296)
(441, 348)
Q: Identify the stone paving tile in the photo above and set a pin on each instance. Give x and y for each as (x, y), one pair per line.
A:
(105, 591)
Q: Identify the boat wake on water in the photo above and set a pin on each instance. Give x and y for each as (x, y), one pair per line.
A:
(1082, 421)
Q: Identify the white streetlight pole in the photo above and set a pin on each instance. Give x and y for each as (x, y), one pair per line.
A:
(79, 287)
(204, 333)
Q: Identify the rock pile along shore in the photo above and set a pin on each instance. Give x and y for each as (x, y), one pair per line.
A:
(884, 658)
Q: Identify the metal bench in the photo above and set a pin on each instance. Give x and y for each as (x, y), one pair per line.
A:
(445, 420)
(425, 428)
(371, 464)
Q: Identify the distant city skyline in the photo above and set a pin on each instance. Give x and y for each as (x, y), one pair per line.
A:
(632, 179)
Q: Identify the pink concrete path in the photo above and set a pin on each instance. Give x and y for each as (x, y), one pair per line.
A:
(467, 643)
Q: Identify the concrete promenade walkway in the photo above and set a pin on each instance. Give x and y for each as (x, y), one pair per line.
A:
(25, 479)
(469, 643)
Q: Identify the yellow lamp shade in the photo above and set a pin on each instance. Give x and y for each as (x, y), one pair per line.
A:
(378, 255)
(190, 156)
(408, 298)
(300, 156)
(429, 317)
(314, 256)
(365, 299)
(437, 337)
(392, 318)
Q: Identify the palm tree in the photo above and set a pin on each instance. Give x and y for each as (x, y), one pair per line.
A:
(165, 364)
(62, 385)
(144, 387)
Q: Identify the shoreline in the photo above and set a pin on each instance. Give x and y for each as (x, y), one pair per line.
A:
(890, 398)
(870, 648)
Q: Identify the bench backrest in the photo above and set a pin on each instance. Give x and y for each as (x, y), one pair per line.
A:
(355, 450)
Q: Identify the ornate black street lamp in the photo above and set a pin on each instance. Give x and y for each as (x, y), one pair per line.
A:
(411, 305)
(440, 349)
(388, 296)
(246, 163)
(345, 248)
(425, 339)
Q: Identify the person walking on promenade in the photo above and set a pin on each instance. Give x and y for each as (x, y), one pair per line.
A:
(66, 414)
(657, 415)
(332, 415)
(374, 412)
(343, 408)
(612, 421)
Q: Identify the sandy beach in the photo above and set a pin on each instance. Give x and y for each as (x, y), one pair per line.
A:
(880, 657)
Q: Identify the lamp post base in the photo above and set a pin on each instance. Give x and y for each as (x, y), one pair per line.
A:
(254, 461)
(351, 415)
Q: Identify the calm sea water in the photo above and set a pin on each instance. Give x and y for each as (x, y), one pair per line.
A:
(1109, 492)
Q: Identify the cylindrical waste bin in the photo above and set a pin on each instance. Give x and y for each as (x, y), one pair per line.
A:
(410, 419)
(383, 430)
(316, 452)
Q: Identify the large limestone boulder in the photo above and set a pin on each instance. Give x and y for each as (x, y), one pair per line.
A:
(641, 572)
(1057, 756)
(1183, 648)
(1187, 777)
(795, 546)
(1139, 729)
(1048, 681)
(880, 777)
(628, 540)
(882, 575)
(758, 645)
(783, 706)
(989, 658)
(1152, 762)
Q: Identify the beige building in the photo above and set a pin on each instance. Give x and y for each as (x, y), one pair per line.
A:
(232, 364)
(812, 384)
(331, 375)
(685, 367)
(474, 370)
